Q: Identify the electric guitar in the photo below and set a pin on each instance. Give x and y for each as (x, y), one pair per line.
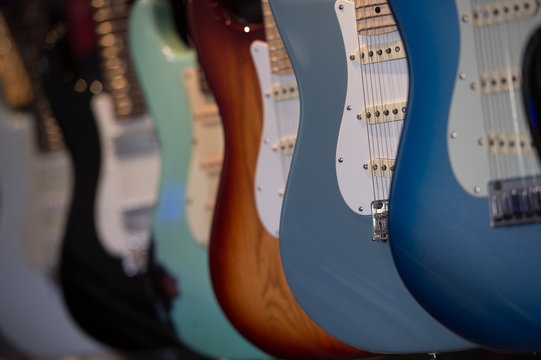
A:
(465, 228)
(34, 193)
(280, 98)
(245, 261)
(337, 261)
(114, 307)
(130, 167)
(191, 141)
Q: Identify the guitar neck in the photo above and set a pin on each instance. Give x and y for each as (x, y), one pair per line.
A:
(280, 64)
(374, 17)
(31, 23)
(111, 18)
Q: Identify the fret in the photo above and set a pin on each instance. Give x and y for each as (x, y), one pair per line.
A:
(374, 17)
(280, 63)
(30, 23)
(111, 18)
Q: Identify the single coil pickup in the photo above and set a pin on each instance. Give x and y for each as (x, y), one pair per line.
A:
(498, 81)
(381, 167)
(503, 11)
(515, 201)
(207, 115)
(377, 114)
(286, 145)
(510, 144)
(391, 50)
(283, 91)
(380, 220)
(212, 164)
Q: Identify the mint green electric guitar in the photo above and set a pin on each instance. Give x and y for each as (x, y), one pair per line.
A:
(191, 154)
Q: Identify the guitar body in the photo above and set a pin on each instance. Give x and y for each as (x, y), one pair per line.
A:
(343, 279)
(110, 305)
(480, 281)
(126, 198)
(245, 261)
(31, 301)
(162, 61)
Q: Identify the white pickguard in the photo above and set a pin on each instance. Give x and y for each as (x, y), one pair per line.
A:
(466, 129)
(368, 85)
(127, 183)
(207, 150)
(32, 313)
(280, 120)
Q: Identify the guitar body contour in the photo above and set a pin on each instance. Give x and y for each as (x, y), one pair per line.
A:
(161, 60)
(32, 303)
(480, 281)
(245, 261)
(342, 278)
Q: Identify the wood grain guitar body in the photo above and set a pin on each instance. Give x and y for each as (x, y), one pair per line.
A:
(245, 262)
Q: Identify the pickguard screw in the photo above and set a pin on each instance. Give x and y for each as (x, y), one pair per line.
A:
(361, 208)
(359, 117)
(348, 107)
(365, 166)
(352, 57)
(466, 18)
(341, 7)
(340, 160)
(454, 135)
(481, 141)
(477, 189)
(462, 76)
(259, 188)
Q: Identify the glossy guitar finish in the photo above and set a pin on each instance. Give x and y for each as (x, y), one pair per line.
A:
(345, 281)
(480, 281)
(31, 302)
(161, 60)
(244, 259)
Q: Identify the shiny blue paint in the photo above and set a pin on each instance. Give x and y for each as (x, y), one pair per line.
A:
(483, 283)
(346, 283)
(160, 58)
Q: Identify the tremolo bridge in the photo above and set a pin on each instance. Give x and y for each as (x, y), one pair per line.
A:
(380, 220)
(515, 201)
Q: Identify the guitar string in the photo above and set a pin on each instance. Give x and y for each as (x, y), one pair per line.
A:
(365, 102)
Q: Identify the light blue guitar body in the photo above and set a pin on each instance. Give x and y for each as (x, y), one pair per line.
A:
(482, 282)
(160, 59)
(346, 283)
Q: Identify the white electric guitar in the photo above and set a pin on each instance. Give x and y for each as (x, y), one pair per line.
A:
(281, 112)
(130, 160)
(206, 156)
(35, 188)
(374, 110)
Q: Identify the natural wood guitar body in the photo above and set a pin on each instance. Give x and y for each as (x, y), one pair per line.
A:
(245, 261)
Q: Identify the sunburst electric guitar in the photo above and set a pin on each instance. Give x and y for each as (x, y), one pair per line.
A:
(333, 231)
(245, 261)
(189, 130)
(469, 252)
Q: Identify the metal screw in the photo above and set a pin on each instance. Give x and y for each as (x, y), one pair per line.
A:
(477, 189)
(352, 57)
(359, 117)
(340, 159)
(361, 208)
(341, 7)
(466, 18)
(348, 107)
(365, 166)
(259, 188)
(462, 76)
(454, 135)
(481, 141)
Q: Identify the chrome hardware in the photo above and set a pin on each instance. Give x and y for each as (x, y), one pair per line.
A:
(380, 220)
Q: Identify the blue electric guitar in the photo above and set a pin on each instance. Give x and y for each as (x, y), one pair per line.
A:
(336, 260)
(466, 199)
(182, 111)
